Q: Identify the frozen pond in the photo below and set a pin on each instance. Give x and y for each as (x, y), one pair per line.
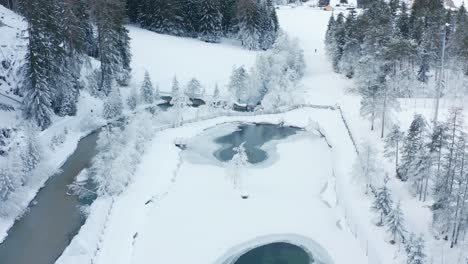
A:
(254, 136)
(276, 253)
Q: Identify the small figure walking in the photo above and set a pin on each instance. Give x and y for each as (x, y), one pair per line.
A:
(315, 50)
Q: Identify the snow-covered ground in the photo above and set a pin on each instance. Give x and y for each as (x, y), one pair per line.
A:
(177, 205)
(166, 56)
(322, 86)
(180, 212)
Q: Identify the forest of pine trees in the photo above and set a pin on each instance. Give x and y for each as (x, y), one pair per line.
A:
(253, 22)
(394, 51)
(60, 36)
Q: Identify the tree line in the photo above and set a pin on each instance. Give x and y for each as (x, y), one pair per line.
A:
(434, 162)
(61, 34)
(394, 51)
(254, 22)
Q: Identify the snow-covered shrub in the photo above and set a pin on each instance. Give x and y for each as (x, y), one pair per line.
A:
(107, 173)
(58, 139)
(133, 99)
(273, 78)
(119, 152)
(179, 102)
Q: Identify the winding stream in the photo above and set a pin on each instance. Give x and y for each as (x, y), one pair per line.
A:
(53, 218)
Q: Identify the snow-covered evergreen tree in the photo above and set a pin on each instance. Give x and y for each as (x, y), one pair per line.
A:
(194, 89)
(238, 85)
(133, 99)
(396, 223)
(147, 90)
(249, 24)
(31, 151)
(113, 42)
(415, 250)
(175, 87)
(383, 202)
(37, 103)
(210, 21)
(413, 144)
(393, 142)
(113, 105)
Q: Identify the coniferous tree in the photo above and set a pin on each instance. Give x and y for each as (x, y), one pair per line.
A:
(414, 143)
(249, 24)
(113, 42)
(238, 85)
(191, 15)
(194, 89)
(113, 105)
(395, 223)
(382, 203)
(175, 87)
(393, 143)
(229, 22)
(415, 250)
(147, 90)
(30, 153)
(37, 104)
(133, 99)
(210, 21)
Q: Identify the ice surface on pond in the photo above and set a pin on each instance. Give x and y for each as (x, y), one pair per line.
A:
(276, 253)
(217, 144)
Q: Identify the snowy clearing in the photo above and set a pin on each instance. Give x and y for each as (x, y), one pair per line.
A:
(166, 56)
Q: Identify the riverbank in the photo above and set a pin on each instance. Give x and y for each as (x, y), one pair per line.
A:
(71, 130)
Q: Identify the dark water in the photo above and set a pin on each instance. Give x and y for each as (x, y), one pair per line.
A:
(276, 253)
(43, 233)
(254, 136)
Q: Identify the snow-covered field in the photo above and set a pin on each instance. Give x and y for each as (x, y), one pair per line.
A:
(166, 56)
